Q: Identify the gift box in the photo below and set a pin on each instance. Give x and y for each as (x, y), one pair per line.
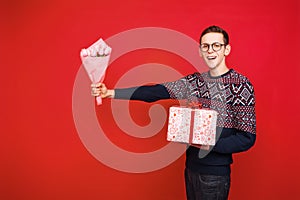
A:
(192, 125)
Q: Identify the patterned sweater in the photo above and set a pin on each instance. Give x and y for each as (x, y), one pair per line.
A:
(231, 95)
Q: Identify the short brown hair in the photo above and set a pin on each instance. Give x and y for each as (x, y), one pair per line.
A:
(216, 29)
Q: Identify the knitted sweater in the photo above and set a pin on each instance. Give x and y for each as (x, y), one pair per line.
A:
(231, 95)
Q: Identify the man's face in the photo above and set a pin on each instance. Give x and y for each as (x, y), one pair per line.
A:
(213, 50)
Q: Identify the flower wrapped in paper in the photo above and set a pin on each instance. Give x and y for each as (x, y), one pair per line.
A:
(95, 61)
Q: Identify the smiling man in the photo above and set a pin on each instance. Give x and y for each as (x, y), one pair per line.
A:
(214, 47)
(207, 172)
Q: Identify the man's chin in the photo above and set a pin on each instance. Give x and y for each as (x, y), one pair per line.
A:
(211, 67)
(210, 64)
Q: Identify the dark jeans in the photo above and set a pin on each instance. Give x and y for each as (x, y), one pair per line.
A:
(206, 187)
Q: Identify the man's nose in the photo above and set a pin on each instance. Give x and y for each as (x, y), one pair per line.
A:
(210, 49)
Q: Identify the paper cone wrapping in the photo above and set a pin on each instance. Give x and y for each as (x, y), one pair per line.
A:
(95, 61)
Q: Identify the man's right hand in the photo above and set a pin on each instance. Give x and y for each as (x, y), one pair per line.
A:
(99, 89)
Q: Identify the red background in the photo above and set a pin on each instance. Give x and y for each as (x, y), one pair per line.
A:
(42, 156)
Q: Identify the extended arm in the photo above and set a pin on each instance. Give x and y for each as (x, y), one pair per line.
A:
(149, 93)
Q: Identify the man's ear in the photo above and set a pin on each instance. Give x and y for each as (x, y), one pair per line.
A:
(227, 50)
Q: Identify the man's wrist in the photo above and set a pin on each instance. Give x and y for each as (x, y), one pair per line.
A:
(111, 93)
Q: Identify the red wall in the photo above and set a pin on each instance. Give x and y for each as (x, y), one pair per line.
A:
(42, 155)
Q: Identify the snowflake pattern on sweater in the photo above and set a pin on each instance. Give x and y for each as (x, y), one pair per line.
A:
(231, 95)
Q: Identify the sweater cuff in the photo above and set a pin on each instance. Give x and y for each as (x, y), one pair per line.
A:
(124, 93)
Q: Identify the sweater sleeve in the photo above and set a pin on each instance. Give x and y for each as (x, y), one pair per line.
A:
(238, 142)
(179, 89)
(149, 93)
(244, 132)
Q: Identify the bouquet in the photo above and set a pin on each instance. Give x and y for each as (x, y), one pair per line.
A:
(95, 61)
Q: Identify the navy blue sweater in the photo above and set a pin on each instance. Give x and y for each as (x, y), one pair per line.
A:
(231, 95)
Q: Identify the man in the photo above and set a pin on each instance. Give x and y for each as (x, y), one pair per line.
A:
(207, 175)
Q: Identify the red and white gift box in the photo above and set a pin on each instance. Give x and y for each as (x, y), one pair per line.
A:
(192, 125)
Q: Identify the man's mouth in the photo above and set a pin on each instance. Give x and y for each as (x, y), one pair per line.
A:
(211, 57)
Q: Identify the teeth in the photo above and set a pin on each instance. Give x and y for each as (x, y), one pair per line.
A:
(211, 57)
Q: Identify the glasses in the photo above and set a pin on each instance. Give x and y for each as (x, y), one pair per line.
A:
(215, 46)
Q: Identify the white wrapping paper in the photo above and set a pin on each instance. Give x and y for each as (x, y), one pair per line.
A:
(95, 61)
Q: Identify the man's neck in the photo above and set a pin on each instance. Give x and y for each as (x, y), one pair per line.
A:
(218, 71)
